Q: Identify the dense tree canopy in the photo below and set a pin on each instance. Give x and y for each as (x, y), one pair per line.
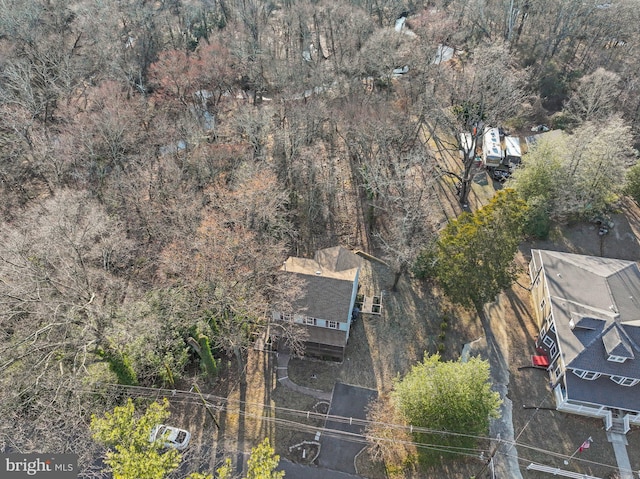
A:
(580, 174)
(472, 259)
(130, 454)
(454, 397)
(159, 160)
(263, 462)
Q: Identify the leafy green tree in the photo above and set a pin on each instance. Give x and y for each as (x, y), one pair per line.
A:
(210, 363)
(473, 257)
(540, 175)
(226, 470)
(632, 184)
(452, 396)
(540, 182)
(577, 175)
(263, 462)
(130, 454)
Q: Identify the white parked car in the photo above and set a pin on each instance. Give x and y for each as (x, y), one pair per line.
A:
(172, 436)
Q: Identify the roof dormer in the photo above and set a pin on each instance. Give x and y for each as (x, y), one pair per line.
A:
(617, 344)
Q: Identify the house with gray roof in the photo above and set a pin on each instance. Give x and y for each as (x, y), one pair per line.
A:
(325, 306)
(588, 312)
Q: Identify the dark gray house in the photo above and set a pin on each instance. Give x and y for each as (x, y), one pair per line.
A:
(325, 306)
(588, 312)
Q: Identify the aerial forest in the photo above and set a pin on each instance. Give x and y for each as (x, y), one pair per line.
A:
(159, 161)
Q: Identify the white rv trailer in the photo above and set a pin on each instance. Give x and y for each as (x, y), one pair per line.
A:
(513, 151)
(468, 146)
(491, 148)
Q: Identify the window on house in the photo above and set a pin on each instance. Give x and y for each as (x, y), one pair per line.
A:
(309, 321)
(286, 316)
(622, 381)
(550, 343)
(588, 375)
(552, 326)
(557, 371)
(332, 324)
(542, 304)
(616, 359)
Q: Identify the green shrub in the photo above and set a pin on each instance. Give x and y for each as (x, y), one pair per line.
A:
(537, 223)
(120, 365)
(632, 186)
(209, 362)
(424, 267)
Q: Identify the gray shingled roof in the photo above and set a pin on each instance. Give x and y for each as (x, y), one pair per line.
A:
(596, 307)
(324, 298)
(332, 337)
(602, 392)
(328, 283)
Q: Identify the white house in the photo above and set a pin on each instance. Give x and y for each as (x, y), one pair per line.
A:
(325, 307)
(588, 311)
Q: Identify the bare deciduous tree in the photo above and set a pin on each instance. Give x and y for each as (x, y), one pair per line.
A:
(594, 97)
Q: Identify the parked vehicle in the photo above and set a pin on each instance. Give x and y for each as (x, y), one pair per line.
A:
(172, 437)
(513, 151)
(500, 174)
(492, 154)
(540, 128)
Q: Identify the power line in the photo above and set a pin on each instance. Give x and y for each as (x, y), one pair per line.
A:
(190, 397)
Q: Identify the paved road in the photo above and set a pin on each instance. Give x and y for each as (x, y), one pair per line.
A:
(348, 402)
(506, 458)
(298, 471)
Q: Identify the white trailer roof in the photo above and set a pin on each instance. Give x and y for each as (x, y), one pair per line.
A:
(491, 147)
(468, 145)
(513, 146)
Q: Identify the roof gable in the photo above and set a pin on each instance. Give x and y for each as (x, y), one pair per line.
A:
(337, 263)
(593, 301)
(616, 342)
(337, 259)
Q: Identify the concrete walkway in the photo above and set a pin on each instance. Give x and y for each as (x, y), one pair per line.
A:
(283, 378)
(619, 443)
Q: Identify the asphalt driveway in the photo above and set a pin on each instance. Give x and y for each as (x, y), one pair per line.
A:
(338, 453)
(299, 471)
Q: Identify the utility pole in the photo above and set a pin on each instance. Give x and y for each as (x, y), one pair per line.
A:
(206, 405)
(487, 462)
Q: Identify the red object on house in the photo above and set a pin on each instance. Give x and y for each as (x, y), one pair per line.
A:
(541, 361)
